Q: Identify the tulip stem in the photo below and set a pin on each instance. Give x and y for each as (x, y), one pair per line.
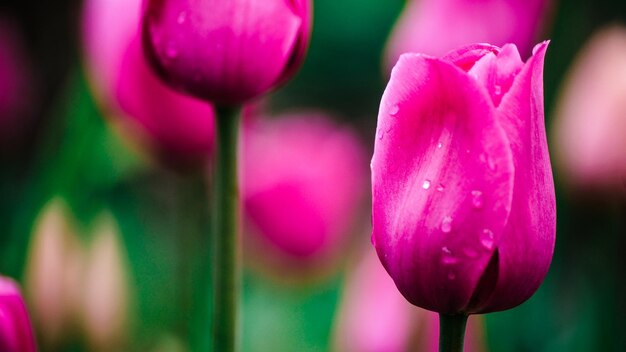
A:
(451, 332)
(226, 241)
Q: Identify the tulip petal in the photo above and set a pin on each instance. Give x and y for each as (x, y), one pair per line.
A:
(526, 247)
(465, 57)
(440, 159)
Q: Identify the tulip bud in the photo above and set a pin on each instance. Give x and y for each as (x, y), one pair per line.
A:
(424, 26)
(106, 290)
(175, 127)
(53, 273)
(464, 210)
(590, 120)
(16, 334)
(302, 184)
(227, 52)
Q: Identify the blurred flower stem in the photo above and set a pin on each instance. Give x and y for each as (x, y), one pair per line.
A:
(451, 332)
(226, 240)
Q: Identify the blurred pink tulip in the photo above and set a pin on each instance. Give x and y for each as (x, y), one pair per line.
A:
(178, 128)
(435, 27)
(16, 334)
(227, 52)
(590, 120)
(15, 82)
(464, 210)
(303, 179)
(374, 317)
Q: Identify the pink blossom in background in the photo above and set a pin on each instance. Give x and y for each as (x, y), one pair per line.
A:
(15, 81)
(227, 52)
(175, 126)
(374, 317)
(590, 120)
(16, 333)
(464, 210)
(303, 178)
(435, 27)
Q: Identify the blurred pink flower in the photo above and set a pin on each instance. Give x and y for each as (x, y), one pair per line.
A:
(590, 120)
(464, 210)
(435, 27)
(15, 82)
(16, 334)
(178, 128)
(227, 52)
(374, 317)
(303, 180)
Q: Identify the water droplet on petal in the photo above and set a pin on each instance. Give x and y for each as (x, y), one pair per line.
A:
(446, 250)
(491, 164)
(394, 110)
(426, 184)
(440, 188)
(171, 52)
(467, 151)
(446, 224)
(182, 17)
(497, 89)
(483, 158)
(477, 199)
(486, 239)
(439, 145)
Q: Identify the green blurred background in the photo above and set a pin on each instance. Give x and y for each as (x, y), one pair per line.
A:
(70, 151)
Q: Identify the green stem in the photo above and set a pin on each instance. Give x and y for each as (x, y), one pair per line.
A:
(451, 332)
(226, 245)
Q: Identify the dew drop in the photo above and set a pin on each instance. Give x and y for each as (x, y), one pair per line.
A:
(381, 135)
(497, 89)
(171, 52)
(440, 188)
(483, 158)
(426, 184)
(446, 224)
(467, 151)
(486, 239)
(439, 145)
(446, 250)
(491, 164)
(182, 17)
(477, 199)
(394, 110)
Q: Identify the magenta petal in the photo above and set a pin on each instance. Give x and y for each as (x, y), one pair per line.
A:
(465, 57)
(442, 182)
(224, 51)
(16, 333)
(525, 251)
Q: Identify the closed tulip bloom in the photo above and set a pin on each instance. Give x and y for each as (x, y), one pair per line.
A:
(227, 52)
(590, 122)
(173, 125)
(464, 214)
(16, 334)
(435, 27)
(302, 182)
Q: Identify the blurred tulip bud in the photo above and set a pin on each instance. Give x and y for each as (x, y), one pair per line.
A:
(590, 120)
(15, 83)
(227, 52)
(16, 334)
(435, 27)
(177, 128)
(374, 317)
(303, 179)
(106, 294)
(53, 273)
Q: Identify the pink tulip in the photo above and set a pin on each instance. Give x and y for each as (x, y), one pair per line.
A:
(227, 52)
(302, 184)
(464, 213)
(590, 122)
(175, 126)
(435, 27)
(16, 334)
(374, 317)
